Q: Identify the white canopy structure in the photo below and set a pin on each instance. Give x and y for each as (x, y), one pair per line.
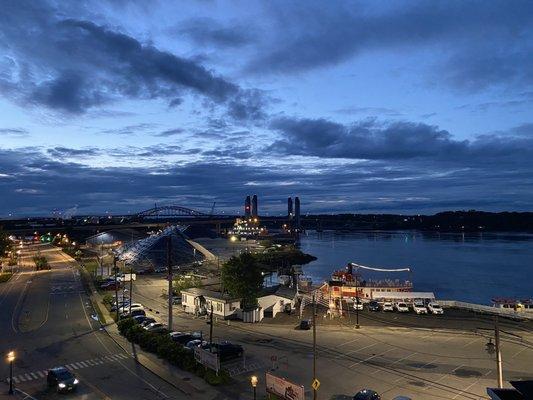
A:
(407, 296)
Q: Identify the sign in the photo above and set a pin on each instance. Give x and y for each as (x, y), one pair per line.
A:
(316, 384)
(205, 357)
(130, 277)
(283, 388)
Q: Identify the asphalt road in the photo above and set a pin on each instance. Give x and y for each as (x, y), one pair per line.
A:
(424, 357)
(46, 319)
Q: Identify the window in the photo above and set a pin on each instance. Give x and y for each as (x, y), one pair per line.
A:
(219, 307)
(184, 298)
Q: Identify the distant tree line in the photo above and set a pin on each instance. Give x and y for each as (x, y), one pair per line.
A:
(448, 221)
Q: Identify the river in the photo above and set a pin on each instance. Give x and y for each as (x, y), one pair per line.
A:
(469, 267)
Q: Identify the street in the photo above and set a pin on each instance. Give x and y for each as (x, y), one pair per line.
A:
(46, 319)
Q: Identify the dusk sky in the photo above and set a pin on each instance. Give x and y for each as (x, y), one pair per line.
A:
(397, 107)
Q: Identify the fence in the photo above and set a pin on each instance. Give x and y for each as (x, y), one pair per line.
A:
(480, 308)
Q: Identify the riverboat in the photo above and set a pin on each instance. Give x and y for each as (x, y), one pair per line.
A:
(349, 283)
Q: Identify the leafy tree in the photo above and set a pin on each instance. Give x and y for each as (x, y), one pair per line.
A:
(242, 278)
(5, 243)
(182, 283)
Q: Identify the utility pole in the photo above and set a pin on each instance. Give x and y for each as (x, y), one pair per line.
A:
(169, 267)
(211, 329)
(498, 352)
(131, 287)
(314, 345)
(356, 300)
(116, 283)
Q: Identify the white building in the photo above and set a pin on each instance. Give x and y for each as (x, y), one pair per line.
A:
(277, 299)
(199, 301)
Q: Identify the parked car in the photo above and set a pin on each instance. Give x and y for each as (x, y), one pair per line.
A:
(373, 306)
(139, 319)
(357, 304)
(401, 307)
(134, 306)
(62, 379)
(134, 313)
(120, 304)
(185, 337)
(435, 308)
(419, 308)
(160, 270)
(155, 327)
(305, 324)
(225, 350)
(367, 394)
(195, 343)
(176, 300)
(111, 285)
(387, 306)
(147, 321)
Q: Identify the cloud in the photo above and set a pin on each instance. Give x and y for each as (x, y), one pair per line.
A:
(130, 129)
(475, 45)
(367, 139)
(208, 32)
(65, 152)
(14, 132)
(73, 65)
(169, 132)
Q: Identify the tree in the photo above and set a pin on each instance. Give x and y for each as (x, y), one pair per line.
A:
(242, 278)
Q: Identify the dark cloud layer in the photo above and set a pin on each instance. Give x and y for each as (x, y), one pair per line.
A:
(79, 65)
(206, 32)
(372, 140)
(476, 44)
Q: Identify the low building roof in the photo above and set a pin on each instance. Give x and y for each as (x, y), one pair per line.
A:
(209, 294)
(280, 291)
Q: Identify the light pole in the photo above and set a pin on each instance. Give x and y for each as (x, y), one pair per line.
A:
(11, 359)
(356, 300)
(254, 381)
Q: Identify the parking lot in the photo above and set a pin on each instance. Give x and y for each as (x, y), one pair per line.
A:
(421, 356)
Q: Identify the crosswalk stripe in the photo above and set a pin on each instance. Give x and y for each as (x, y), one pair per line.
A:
(29, 378)
(41, 375)
(124, 356)
(83, 363)
(90, 363)
(99, 361)
(79, 365)
(15, 380)
(34, 375)
(21, 378)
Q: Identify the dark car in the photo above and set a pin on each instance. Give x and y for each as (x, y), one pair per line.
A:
(225, 350)
(147, 321)
(305, 324)
(185, 337)
(367, 394)
(111, 285)
(61, 379)
(134, 313)
(373, 306)
(138, 319)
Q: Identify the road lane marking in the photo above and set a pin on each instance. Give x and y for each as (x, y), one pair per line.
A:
(370, 358)
(34, 376)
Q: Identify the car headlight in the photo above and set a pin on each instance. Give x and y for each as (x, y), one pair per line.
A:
(76, 381)
(62, 386)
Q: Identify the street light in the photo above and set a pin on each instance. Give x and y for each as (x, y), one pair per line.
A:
(10, 359)
(254, 381)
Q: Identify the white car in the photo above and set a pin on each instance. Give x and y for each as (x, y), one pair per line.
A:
(387, 306)
(401, 307)
(134, 306)
(420, 308)
(435, 308)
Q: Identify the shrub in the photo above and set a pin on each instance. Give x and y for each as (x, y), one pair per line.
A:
(108, 299)
(5, 276)
(162, 345)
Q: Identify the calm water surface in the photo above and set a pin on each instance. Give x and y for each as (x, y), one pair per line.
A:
(469, 267)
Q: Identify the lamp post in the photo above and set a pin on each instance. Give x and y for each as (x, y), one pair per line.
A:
(254, 381)
(356, 299)
(11, 359)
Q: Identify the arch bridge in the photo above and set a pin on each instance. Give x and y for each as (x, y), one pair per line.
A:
(171, 212)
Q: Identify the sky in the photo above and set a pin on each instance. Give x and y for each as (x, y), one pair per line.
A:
(361, 107)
